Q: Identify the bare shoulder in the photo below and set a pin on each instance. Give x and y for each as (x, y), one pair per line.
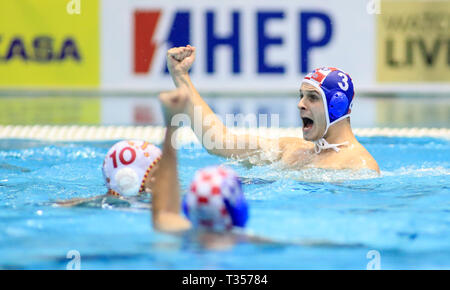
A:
(295, 151)
(360, 158)
(294, 142)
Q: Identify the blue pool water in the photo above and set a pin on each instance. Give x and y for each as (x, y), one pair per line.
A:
(404, 214)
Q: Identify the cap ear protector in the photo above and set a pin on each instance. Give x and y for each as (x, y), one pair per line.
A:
(238, 212)
(185, 206)
(128, 182)
(338, 105)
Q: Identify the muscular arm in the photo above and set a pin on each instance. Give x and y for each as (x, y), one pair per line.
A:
(80, 201)
(166, 190)
(209, 129)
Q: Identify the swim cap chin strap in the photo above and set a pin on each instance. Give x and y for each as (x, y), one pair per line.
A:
(322, 144)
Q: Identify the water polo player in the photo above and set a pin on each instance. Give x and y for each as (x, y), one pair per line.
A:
(129, 166)
(325, 107)
(128, 170)
(215, 205)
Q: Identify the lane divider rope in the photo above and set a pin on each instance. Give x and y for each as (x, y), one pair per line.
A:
(155, 134)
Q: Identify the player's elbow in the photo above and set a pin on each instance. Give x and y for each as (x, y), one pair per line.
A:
(170, 223)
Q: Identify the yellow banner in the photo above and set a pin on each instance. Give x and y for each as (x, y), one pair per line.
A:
(413, 39)
(50, 111)
(49, 43)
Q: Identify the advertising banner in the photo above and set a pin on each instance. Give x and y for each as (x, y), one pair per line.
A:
(413, 39)
(241, 45)
(50, 43)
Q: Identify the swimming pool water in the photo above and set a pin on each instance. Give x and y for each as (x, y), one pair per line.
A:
(404, 214)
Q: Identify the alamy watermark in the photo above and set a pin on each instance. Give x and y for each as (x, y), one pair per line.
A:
(74, 7)
(213, 136)
(375, 260)
(75, 260)
(373, 7)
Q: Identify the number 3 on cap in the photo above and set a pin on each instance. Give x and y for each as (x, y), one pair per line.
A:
(343, 86)
(122, 158)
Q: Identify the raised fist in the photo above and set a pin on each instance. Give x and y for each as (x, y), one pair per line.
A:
(180, 60)
(174, 102)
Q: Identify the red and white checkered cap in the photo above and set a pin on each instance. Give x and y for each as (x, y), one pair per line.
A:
(214, 199)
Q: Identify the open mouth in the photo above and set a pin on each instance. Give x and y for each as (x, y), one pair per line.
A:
(307, 123)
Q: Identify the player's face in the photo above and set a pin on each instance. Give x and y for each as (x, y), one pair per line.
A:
(312, 112)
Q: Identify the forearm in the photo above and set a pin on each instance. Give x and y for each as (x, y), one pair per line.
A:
(196, 100)
(79, 201)
(210, 130)
(166, 191)
(166, 195)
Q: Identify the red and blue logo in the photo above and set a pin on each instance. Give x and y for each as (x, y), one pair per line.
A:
(181, 28)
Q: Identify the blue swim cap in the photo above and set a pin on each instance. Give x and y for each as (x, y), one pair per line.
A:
(336, 88)
(215, 200)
